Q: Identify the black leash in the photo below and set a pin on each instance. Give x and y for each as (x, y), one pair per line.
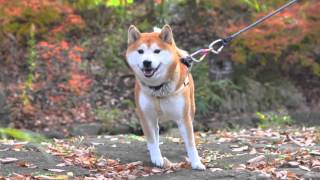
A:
(217, 45)
(225, 41)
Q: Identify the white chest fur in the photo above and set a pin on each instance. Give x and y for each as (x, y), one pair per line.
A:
(168, 108)
(172, 108)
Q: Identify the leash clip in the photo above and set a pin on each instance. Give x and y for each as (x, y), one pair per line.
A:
(199, 55)
(219, 48)
(202, 52)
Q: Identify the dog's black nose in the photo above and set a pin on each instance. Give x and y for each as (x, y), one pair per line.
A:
(147, 64)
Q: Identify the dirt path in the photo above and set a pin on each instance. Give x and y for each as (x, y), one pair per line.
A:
(225, 156)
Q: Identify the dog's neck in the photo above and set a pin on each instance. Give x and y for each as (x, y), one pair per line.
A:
(157, 88)
(164, 89)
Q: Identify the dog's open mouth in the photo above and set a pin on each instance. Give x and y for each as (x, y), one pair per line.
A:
(149, 72)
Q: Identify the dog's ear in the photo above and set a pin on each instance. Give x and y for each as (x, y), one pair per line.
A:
(133, 34)
(166, 34)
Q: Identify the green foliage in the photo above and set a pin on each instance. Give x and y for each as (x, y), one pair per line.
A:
(135, 137)
(107, 116)
(112, 53)
(273, 119)
(20, 25)
(254, 4)
(31, 61)
(210, 94)
(90, 4)
(21, 135)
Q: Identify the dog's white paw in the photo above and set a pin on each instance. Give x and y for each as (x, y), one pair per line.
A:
(198, 166)
(158, 161)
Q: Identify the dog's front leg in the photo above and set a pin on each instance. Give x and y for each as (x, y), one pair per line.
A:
(151, 132)
(149, 122)
(186, 131)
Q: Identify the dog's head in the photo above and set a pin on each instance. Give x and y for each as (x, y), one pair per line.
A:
(152, 56)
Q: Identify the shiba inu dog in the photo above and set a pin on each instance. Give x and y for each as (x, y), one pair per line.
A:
(164, 89)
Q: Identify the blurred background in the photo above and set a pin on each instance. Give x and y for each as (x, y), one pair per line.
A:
(63, 69)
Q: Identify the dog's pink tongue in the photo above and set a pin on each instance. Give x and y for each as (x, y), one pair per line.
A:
(147, 72)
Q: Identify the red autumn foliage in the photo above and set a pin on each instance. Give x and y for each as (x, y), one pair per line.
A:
(284, 38)
(50, 17)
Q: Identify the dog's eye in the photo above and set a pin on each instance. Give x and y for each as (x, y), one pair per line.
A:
(140, 51)
(157, 51)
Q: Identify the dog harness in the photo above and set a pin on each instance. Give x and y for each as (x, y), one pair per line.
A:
(164, 85)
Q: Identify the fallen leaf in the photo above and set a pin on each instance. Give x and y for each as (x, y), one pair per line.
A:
(111, 162)
(120, 167)
(26, 164)
(56, 170)
(8, 160)
(131, 177)
(58, 177)
(167, 163)
(215, 169)
(291, 175)
(256, 159)
(253, 151)
(176, 140)
(316, 168)
(315, 152)
(156, 170)
(135, 163)
(96, 143)
(304, 168)
(70, 174)
(5, 149)
(61, 165)
(293, 163)
(241, 149)
(241, 167)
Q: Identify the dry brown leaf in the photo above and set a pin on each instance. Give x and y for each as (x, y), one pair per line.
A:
(120, 167)
(291, 175)
(22, 163)
(111, 162)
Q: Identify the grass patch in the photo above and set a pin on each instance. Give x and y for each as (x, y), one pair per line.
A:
(273, 119)
(21, 135)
